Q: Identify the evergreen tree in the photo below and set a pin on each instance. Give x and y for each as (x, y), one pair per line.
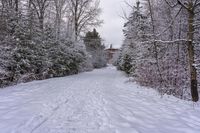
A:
(94, 46)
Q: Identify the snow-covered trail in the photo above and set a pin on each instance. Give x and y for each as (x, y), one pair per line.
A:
(102, 101)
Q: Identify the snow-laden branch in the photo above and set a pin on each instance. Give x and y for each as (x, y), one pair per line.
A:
(173, 41)
(162, 41)
(196, 3)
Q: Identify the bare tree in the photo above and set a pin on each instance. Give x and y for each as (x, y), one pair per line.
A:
(59, 5)
(40, 6)
(84, 13)
(154, 42)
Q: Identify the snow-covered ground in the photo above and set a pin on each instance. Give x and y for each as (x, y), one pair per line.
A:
(102, 101)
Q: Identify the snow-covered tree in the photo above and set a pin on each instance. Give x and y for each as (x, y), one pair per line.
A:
(158, 46)
(136, 30)
(94, 46)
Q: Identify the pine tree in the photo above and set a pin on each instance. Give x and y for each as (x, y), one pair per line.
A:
(93, 45)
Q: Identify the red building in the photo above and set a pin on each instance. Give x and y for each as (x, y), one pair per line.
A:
(110, 52)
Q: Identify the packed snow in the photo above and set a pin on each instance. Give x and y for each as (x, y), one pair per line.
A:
(101, 101)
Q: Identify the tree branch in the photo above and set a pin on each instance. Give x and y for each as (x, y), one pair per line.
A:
(180, 3)
(172, 6)
(170, 23)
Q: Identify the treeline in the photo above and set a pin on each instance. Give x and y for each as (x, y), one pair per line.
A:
(41, 39)
(162, 46)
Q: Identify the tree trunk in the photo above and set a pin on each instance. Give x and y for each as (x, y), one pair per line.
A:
(16, 6)
(76, 30)
(30, 15)
(76, 20)
(193, 71)
(41, 21)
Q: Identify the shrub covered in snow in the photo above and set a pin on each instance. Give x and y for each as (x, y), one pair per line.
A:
(32, 61)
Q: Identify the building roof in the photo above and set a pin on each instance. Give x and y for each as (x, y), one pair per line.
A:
(111, 49)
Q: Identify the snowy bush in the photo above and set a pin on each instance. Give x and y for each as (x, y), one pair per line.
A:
(29, 62)
(24, 60)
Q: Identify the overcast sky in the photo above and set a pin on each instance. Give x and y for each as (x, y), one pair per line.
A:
(111, 30)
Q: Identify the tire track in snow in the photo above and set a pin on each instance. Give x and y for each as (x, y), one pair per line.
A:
(47, 112)
(36, 122)
(48, 117)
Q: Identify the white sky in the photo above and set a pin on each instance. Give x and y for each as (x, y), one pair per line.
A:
(111, 30)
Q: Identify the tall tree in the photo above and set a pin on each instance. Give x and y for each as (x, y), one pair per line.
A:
(94, 46)
(154, 38)
(84, 13)
(59, 5)
(40, 7)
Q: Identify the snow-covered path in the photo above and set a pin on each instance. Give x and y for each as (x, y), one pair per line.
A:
(101, 101)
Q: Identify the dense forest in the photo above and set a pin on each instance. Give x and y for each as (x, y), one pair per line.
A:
(42, 39)
(162, 46)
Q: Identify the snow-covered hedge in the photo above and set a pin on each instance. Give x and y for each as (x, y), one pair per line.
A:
(29, 60)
